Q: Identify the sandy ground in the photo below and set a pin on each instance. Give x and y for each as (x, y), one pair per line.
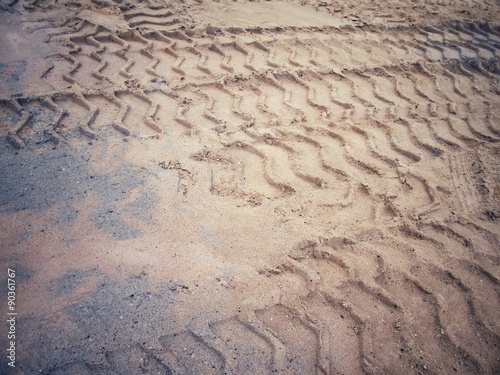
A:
(233, 187)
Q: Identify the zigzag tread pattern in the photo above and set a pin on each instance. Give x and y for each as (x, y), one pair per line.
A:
(383, 118)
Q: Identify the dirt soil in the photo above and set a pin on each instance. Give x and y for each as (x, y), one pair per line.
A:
(251, 187)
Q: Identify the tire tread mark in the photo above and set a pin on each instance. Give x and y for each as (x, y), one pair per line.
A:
(13, 134)
(85, 128)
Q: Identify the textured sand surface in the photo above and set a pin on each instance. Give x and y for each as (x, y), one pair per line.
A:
(234, 187)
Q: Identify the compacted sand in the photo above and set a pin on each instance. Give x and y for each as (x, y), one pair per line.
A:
(233, 187)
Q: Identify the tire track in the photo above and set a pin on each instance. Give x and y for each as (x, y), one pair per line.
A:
(354, 301)
(263, 53)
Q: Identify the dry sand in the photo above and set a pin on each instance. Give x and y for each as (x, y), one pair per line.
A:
(233, 187)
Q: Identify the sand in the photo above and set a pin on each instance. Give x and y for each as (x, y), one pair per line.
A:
(251, 187)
